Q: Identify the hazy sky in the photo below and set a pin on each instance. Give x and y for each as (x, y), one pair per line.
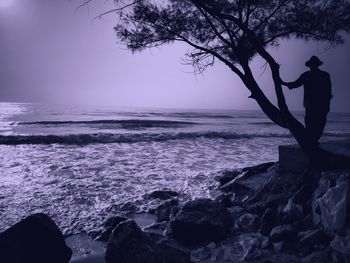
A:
(51, 52)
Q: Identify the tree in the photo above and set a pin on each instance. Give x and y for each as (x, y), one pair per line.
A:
(233, 32)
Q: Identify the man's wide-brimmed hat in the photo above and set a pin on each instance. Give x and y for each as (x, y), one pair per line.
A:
(313, 62)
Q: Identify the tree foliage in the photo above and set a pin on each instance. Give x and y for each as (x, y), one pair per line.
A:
(221, 28)
(233, 32)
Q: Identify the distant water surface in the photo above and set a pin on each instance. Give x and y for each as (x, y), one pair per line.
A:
(80, 164)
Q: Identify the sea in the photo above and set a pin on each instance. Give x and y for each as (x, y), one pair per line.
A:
(81, 164)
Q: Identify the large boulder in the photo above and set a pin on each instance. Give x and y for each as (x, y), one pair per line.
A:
(330, 205)
(200, 221)
(129, 244)
(250, 179)
(36, 239)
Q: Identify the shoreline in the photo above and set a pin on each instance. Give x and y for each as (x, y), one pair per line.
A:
(261, 213)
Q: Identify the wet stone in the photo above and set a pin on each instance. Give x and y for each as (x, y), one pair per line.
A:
(200, 221)
(35, 239)
(109, 224)
(162, 194)
(164, 210)
(282, 232)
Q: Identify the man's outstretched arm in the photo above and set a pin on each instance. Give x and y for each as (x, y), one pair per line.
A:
(295, 84)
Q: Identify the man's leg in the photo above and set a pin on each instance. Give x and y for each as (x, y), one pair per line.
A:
(315, 122)
(311, 125)
(321, 124)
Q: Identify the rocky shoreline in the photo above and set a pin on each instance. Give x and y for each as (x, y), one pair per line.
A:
(260, 214)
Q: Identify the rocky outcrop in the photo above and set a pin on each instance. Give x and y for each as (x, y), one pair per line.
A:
(262, 214)
(35, 239)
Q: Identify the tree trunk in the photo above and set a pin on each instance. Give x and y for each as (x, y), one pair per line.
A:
(283, 118)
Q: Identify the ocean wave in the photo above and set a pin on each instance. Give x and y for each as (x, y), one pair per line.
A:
(103, 138)
(337, 134)
(265, 123)
(191, 115)
(135, 123)
(81, 139)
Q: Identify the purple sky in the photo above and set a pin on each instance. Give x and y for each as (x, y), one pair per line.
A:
(50, 52)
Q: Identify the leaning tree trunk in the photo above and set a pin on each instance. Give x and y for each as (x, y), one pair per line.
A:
(282, 116)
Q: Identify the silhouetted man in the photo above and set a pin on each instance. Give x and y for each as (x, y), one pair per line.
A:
(317, 97)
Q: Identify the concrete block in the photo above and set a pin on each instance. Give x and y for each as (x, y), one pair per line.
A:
(293, 159)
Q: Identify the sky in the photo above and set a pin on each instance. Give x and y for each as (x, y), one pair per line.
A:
(52, 52)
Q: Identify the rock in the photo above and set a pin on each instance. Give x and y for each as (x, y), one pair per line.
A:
(292, 211)
(260, 168)
(229, 187)
(225, 199)
(129, 244)
(305, 224)
(273, 192)
(278, 246)
(128, 208)
(227, 176)
(252, 244)
(331, 208)
(113, 221)
(203, 253)
(341, 244)
(248, 223)
(164, 210)
(245, 185)
(109, 224)
(167, 251)
(200, 221)
(280, 258)
(314, 237)
(35, 239)
(267, 221)
(157, 228)
(305, 192)
(246, 181)
(234, 249)
(317, 257)
(162, 194)
(235, 211)
(282, 232)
